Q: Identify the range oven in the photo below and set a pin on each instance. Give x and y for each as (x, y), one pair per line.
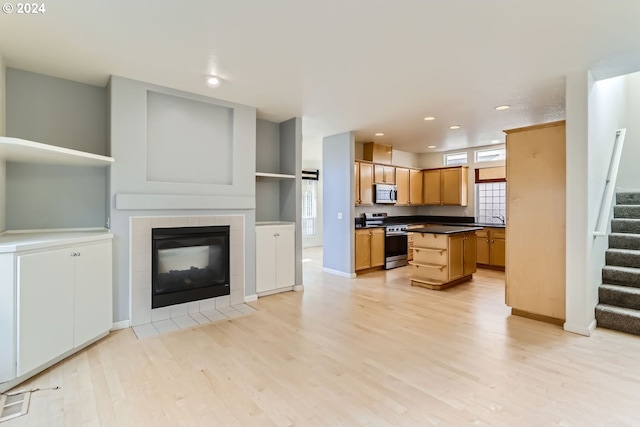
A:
(395, 246)
(395, 239)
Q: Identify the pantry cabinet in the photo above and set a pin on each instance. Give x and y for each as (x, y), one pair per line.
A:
(275, 257)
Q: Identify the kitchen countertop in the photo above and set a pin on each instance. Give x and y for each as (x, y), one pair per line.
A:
(445, 229)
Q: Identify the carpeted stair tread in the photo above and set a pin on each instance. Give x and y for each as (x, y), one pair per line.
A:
(628, 198)
(626, 211)
(623, 257)
(618, 318)
(624, 241)
(625, 276)
(619, 296)
(625, 225)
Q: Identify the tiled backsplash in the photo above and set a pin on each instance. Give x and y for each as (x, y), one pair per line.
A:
(140, 235)
(492, 201)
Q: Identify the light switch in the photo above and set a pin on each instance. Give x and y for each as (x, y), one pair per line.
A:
(339, 215)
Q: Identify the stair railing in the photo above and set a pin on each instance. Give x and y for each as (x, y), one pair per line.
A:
(608, 194)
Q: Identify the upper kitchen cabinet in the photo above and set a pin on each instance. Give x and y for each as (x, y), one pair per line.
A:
(446, 186)
(377, 153)
(384, 174)
(536, 205)
(409, 182)
(364, 183)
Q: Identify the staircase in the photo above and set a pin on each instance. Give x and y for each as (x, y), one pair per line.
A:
(619, 307)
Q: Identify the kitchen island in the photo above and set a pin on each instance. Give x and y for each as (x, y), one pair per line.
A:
(443, 256)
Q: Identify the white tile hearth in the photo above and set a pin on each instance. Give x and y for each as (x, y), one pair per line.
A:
(140, 261)
(192, 320)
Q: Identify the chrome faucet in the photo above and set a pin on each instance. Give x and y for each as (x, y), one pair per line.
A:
(500, 217)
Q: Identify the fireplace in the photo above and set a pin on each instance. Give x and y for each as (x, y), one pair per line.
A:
(189, 264)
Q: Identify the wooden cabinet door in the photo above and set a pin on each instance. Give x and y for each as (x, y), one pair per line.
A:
(431, 187)
(93, 294)
(402, 181)
(363, 249)
(456, 256)
(285, 257)
(265, 259)
(482, 249)
(451, 181)
(497, 252)
(415, 187)
(469, 263)
(366, 184)
(44, 307)
(356, 179)
(377, 247)
(383, 174)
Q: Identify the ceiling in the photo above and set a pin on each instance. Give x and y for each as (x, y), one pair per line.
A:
(362, 65)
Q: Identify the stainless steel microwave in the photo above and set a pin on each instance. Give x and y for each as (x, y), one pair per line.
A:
(385, 193)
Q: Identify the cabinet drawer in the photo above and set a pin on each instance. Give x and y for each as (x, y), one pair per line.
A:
(430, 256)
(425, 240)
(498, 233)
(432, 272)
(482, 233)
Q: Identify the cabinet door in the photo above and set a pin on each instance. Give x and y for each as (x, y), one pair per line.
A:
(45, 307)
(378, 174)
(286, 257)
(93, 292)
(456, 257)
(366, 184)
(451, 182)
(390, 174)
(431, 190)
(482, 250)
(469, 263)
(356, 179)
(377, 247)
(497, 252)
(402, 181)
(363, 249)
(415, 187)
(265, 259)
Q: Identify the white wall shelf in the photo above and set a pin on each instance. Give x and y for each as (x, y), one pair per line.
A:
(23, 151)
(274, 175)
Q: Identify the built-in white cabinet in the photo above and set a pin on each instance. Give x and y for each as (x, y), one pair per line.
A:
(56, 298)
(275, 257)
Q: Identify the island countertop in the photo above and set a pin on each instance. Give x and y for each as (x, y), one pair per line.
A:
(444, 229)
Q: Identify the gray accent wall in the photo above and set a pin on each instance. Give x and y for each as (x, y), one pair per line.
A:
(66, 114)
(267, 160)
(338, 155)
(128, 103)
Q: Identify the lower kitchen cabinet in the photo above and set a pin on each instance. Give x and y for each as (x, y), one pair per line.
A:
(369, 248)
(61, 299)
(491, 247)
(275, 258)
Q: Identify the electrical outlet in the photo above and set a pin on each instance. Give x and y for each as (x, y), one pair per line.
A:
(339, 215)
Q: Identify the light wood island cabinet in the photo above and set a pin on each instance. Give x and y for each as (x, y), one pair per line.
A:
(443, 256)
(536, 200)
(369, 251)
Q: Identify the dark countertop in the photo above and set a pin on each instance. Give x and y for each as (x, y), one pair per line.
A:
(445, 229)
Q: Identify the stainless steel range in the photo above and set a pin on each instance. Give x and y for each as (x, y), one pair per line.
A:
(395, 239)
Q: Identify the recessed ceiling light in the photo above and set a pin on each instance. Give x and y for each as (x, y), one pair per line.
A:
(503, 107)
(454, 127)
(496, 141)
(431, 146)
(429, 118)
(379, 134)
(214, 81)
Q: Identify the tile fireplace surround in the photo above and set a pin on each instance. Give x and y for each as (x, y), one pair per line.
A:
(140, 261)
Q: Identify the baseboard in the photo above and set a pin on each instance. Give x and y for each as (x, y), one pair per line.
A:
(298, 288)
(123, 324)
(581, 330)
(251, 298)
(540, 317)
(339, 273)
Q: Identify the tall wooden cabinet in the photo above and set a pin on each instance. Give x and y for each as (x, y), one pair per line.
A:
(536, 200)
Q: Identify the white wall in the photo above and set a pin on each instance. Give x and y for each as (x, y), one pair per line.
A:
(629, 174)
(308, 242)
(595, 111)
(3, 172)
(3, 96)
(436, 160)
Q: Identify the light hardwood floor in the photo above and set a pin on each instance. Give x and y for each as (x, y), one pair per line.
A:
(371, 351)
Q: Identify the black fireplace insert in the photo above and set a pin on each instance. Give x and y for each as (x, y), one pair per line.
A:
(189, 264)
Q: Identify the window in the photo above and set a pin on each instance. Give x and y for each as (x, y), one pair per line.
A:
(492, 202)
(491, 155)
(454, 159)
(309, 207)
